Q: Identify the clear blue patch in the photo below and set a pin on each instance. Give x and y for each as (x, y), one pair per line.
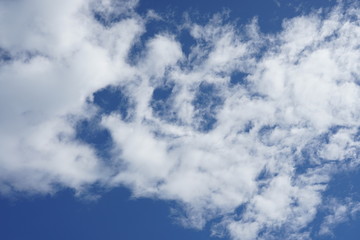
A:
(161, 102)
(270, 13)
(115, 216)
(342, 186)
(346, 230)
(162, 93)
(239, 211)
(187, 41)
(89, 131)
(238, 78)
(206, 103)
(113, 99)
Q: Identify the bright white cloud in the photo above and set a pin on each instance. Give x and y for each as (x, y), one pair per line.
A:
(271, 149)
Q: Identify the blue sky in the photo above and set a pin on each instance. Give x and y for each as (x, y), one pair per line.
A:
(126, 119)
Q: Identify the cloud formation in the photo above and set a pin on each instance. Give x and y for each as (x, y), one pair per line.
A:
(247, 127)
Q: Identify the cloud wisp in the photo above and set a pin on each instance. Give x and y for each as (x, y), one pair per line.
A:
(245, 130)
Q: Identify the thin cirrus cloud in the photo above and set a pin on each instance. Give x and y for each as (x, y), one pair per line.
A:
(246, 130)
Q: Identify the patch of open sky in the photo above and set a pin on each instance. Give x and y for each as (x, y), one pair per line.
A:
(238, 78)
(315, 225)
(239, 211)
(343, 187)
(270, 13)
(109, 100)
(89, 131)
(113, 99)
(348, 230)
(161, 102)
(206, 104)
(114, 216)
(187, 41)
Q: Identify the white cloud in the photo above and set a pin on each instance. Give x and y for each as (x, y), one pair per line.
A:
(271, 150)
(49, 77)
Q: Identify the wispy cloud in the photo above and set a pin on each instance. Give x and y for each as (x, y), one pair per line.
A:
(250, 121)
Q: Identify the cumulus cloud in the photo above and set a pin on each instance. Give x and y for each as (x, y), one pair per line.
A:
(247, 128)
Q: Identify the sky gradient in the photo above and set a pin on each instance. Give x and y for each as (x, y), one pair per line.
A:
(126, 119)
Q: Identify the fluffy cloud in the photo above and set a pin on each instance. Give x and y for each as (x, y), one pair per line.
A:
(247, 128)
